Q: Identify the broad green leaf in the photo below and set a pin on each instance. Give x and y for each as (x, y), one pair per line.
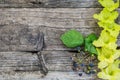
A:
(72, 38)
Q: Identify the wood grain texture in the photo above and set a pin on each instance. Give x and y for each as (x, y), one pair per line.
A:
(18, 61)
(20, 38)
(26, 61)
(52, 22)
(51, 76)
(24, 66)
(50, 3)
(59, 17)
(58, 60)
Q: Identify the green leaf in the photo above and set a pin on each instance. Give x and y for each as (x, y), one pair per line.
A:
(90, 48)
(88, 44)
(90, 38)
(106, 39)
(112, 28)
(72, 38)
(106, 18)
(112, 72)
(109, 4)
(107, 56)
(102, 64)
(117, 54)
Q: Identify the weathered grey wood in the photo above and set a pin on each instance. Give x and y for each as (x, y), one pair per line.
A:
(50, 3)
(60, 17)
(58, 60)
(38, 76)
(24, 66)
(52, 22)
(18, 61)
(20, 38)
(26, 61)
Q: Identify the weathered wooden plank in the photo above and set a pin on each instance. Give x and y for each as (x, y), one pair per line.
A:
(50, 3)
(18, 61)
(21, 38)
(24, 66)
(38, 76)
(26, 61)
(58, 60)
(52, 22)
(60, 17)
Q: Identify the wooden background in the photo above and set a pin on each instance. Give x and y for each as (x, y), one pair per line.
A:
(52, 17)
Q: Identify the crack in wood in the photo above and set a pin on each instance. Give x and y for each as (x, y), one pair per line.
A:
(36, 2)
